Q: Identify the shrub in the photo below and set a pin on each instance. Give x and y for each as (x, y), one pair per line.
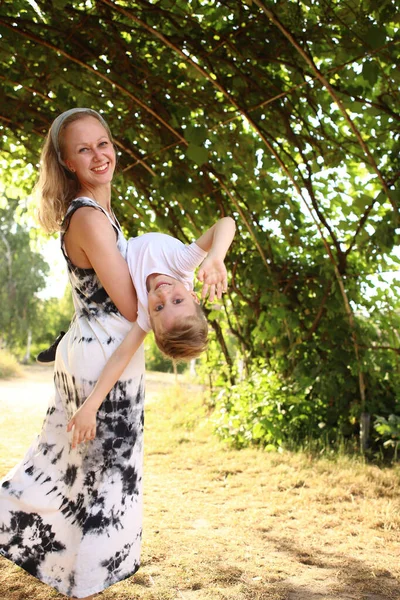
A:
(389, 431)
(265, 410)
(9, 366)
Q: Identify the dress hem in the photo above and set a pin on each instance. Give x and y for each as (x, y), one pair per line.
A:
(82, 594)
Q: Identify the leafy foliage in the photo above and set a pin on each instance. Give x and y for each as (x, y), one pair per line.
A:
(283, 114)
(22, 275)
(53, 316)
(389, 430)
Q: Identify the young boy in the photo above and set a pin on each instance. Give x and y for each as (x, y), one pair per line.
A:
(162, 271)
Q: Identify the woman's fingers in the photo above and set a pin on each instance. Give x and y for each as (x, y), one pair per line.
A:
(83, 435)
(78, 437)
(75, 439)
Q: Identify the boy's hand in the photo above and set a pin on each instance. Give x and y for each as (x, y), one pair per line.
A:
(214, 277)
(84, 424)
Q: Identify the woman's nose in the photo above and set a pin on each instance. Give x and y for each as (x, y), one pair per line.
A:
(97, 153)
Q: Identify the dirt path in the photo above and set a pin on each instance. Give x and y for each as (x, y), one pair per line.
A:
(221, 524)
(23, 405)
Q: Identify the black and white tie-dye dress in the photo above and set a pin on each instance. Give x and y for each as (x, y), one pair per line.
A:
(73, 518)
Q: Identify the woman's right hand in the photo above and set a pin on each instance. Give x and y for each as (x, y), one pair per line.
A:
(83, 424)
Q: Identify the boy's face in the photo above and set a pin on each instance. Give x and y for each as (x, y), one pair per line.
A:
(169, 300)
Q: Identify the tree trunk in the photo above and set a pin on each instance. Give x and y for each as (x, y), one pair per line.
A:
(27, 356)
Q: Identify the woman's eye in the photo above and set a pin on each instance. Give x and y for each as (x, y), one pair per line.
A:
(82, 149)
(103, 144)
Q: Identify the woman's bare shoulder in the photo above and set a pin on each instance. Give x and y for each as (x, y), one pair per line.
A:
(85, 215)
(90, 222)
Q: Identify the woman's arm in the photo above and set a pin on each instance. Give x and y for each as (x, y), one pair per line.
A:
(84, 420)
(91, 243)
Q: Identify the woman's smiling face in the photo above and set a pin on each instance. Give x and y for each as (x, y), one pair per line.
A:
(88, 152)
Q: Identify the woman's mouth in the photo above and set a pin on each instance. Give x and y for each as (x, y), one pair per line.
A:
(101, 168)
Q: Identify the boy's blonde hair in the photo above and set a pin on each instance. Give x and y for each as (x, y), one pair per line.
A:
(57, 186)
(187, 339)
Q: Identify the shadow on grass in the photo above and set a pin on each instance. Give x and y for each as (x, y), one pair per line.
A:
(334, 575)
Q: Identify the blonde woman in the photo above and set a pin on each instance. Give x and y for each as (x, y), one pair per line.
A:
(72, 517)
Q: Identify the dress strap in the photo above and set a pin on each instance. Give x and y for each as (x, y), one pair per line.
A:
(73, 207)
(85, 201)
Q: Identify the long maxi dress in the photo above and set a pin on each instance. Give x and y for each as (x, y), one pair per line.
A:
(73, 517)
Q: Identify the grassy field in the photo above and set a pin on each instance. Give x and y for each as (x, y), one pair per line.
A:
(222, 524)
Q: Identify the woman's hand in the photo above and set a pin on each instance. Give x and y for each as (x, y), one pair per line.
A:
(214, 277)
(84, 425)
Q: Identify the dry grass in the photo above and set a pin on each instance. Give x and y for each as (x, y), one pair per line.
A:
(222, 524)
(9, 366)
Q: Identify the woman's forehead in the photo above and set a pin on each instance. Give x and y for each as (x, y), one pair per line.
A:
(85, 128)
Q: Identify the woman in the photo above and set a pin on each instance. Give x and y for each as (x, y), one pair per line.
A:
(73, 517)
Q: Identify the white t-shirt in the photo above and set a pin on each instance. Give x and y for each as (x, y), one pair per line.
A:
(160, 253)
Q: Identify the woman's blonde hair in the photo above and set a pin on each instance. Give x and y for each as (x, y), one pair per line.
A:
(57, 186)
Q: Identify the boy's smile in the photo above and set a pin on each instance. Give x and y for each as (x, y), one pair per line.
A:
(168, 300)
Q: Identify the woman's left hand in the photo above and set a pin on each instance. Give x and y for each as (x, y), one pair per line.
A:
(84, 425)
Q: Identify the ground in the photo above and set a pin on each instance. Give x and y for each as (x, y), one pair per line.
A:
(226, 524)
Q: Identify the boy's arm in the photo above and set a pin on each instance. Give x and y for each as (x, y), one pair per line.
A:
(84, 420)
(216, 242)
(218, 238)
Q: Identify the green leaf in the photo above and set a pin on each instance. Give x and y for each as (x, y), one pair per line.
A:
(258, 431)
(355, 90)
(362, 201)
(60, 4)
(381, 197)
(270, 448)
(165, 4)
(376, 36)
(395, 196)
(196, 135)
(371, 72)
(198, 154)
(174, 122)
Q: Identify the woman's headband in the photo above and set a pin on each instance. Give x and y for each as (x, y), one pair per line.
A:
(57, 123)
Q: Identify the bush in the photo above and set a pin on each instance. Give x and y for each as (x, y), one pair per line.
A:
(9, 366)
(389, 431)
(264, 410)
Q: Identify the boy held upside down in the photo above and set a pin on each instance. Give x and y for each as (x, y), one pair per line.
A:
(162, 271)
